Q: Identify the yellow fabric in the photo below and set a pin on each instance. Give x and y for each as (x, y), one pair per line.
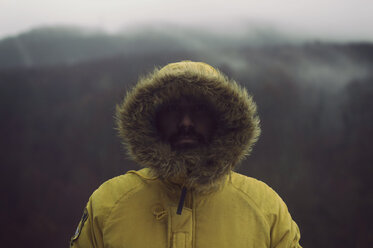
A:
(136, 210)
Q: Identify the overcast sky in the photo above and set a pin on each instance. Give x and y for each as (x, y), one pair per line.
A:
(344, 20)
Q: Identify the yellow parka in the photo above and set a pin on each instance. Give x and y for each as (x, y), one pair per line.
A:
(191, 198)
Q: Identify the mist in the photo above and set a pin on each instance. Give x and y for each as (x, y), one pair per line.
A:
(333, 20)
(59, 86)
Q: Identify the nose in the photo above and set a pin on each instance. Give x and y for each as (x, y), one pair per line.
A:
(186, 121)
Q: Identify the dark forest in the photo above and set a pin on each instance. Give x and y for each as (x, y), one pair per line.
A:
(58, 92)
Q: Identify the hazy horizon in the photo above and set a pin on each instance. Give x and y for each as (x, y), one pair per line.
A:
(345, 21)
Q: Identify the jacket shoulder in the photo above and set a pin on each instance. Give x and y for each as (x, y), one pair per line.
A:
(110, 192)
(284, 231)
(99, 207)
(257, 192)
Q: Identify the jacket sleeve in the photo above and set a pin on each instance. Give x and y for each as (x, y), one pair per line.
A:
(89, 232)
(284, 231)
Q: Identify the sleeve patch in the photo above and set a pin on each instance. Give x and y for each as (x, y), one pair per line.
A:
(80, 226)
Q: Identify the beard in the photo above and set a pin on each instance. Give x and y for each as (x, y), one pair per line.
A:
(186, 138)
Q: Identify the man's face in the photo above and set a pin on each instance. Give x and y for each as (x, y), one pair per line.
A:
(186, 123)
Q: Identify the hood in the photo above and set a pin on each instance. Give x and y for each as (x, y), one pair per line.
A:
(200, 169)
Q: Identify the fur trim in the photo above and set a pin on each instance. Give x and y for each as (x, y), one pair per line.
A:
(238, 125)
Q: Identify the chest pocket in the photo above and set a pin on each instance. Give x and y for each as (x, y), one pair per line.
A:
(180, 228)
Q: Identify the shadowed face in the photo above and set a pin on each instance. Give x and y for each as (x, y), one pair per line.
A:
(186, 123)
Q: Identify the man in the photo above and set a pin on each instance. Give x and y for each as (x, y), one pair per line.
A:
(189, 126)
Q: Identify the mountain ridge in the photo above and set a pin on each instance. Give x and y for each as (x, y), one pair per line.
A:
(70, 45)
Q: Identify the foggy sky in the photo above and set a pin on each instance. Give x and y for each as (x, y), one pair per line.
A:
(338, 20)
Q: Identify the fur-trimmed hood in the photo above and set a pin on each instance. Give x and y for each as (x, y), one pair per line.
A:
(200, 169)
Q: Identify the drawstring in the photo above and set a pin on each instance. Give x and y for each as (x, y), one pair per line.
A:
(181, 201)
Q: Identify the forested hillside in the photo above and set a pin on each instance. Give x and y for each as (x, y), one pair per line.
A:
(59, 142)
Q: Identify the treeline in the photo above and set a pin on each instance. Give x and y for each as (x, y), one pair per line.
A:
(59, 141)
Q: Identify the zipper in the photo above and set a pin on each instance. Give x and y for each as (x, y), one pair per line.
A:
(181, 201)
(186, 199)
